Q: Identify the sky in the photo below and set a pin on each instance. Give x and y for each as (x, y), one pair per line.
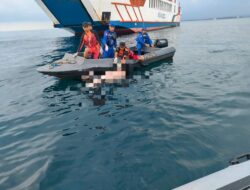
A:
(28, 12)
(202, 9)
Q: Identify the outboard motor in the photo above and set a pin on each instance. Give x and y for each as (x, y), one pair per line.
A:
(161, 43)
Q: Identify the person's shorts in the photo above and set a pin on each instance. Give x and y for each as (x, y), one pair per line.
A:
(94, 52)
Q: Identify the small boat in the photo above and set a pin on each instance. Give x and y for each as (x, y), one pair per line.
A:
(73, 67)
(234, 177)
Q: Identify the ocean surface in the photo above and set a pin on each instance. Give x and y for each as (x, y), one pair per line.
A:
(186, 120)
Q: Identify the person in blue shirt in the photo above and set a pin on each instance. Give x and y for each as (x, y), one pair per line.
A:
(143, 40)
(109, 42)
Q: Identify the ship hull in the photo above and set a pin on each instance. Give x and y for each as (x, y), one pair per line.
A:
(128, 18)
(122, 28)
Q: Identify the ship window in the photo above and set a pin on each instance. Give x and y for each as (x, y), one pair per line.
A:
(106, 16)
(161, 5)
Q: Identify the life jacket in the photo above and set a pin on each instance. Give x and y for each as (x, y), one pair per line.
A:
(145, 36)
(147, 39)
(89, 40)
(111, 38)
(123, 52)
(143, 39)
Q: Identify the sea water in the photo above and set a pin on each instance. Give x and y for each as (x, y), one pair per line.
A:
(186, 120)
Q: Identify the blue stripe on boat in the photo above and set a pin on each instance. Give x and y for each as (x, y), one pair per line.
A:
(98, 26)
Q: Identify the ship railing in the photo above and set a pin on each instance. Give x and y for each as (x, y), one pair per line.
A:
(131, 13)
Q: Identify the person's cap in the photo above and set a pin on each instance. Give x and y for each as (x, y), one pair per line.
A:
(111, 24)
(144, 29)
(86, 24)
(122, 44)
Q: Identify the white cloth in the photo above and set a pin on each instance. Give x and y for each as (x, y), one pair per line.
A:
(106, 48)
(116, 60)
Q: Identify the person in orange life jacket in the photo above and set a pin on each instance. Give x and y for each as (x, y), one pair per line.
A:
(109, 42)
(143, 40)
(90, 41)
(122, 52)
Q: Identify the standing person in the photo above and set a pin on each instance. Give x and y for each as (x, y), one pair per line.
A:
(90, 41)
(109, 42)
(143, 40)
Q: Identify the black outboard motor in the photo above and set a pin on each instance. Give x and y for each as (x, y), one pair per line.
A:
(161, 43)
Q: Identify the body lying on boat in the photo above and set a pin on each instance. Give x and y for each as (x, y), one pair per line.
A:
(74, 67)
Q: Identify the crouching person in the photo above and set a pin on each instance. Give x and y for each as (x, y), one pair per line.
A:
(123, 53)
(90, 41)
(143, 40)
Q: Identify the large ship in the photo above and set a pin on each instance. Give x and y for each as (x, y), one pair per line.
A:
(127, 15)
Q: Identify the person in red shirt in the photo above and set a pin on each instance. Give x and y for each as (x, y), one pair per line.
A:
(122, 52)
(90, 41)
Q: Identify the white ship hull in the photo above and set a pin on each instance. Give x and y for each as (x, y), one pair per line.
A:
(127, 15)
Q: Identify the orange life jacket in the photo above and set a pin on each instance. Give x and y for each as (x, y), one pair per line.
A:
(123, 52)
(89, 40)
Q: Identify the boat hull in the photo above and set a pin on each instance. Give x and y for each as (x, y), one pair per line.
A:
(74, 68)
(235, 177)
